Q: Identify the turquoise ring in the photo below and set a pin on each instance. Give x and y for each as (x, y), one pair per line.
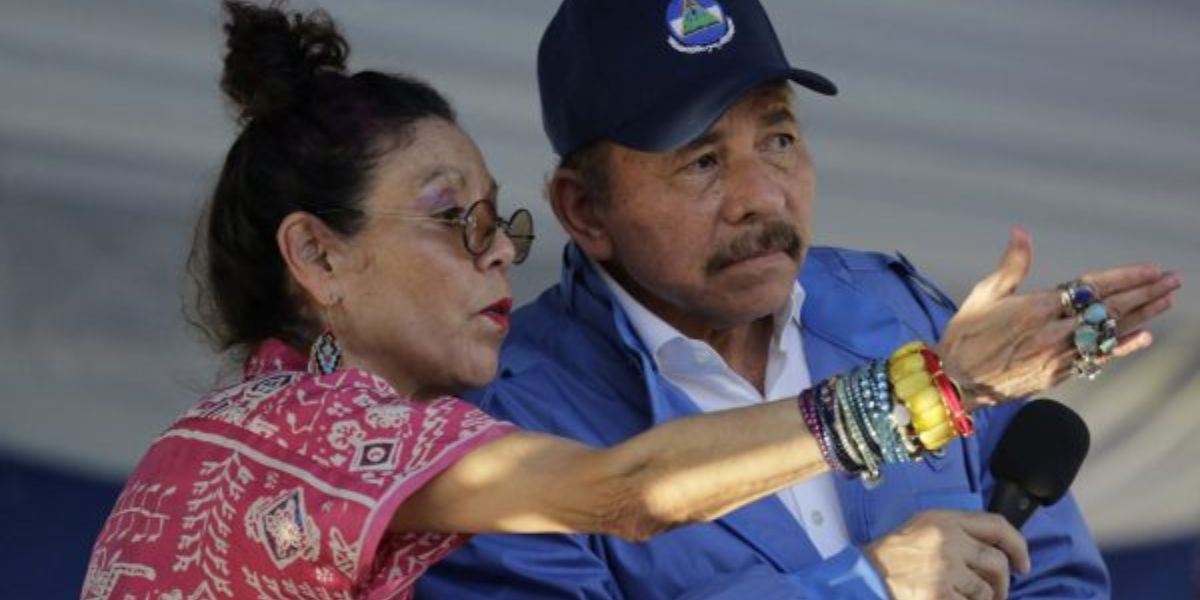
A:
(1094, 339)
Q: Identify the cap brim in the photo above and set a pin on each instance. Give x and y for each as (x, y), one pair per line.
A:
(680, 118)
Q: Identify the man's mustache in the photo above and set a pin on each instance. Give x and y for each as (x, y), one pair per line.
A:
(776, 236)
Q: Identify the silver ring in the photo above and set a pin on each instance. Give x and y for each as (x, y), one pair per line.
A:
(1075, 296)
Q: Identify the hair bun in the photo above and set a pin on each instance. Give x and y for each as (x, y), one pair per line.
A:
(273, 56)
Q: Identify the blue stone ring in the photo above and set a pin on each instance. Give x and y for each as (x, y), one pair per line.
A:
(1095, 338)
(1075, 296)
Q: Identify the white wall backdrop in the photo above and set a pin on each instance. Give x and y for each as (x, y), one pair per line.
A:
(1078, 119)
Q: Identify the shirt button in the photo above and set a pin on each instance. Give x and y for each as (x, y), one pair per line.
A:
(816, 517)
(701, 356)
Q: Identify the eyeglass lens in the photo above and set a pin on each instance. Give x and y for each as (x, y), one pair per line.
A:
(482, 222)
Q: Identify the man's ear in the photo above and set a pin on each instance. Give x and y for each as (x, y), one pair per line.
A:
(311, 250)
(581, 214)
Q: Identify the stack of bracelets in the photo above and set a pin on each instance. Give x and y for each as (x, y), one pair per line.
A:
(885, 412)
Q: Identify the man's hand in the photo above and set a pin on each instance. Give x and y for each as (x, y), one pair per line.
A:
(948, 554)
(1003, 345)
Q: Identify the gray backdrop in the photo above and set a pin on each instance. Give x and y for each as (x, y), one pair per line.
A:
(957, 120)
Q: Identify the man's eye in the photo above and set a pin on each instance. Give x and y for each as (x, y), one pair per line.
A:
(781, 141)
(706, 162)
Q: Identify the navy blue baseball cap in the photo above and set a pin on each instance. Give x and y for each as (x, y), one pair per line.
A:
(654, 74)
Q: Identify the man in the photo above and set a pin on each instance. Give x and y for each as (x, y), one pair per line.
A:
(689, 286)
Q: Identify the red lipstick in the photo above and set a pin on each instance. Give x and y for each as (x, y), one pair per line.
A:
(499, 312)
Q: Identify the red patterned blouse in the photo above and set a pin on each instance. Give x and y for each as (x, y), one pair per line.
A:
(283, 487)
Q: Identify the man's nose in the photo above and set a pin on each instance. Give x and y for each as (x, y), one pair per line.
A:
(752, 192)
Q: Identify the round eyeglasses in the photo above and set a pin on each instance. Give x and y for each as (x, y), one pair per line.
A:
(479, 223)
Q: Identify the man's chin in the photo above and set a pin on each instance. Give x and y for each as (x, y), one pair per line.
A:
(746, 303)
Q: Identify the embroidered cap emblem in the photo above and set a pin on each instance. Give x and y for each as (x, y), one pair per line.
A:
(697, 26)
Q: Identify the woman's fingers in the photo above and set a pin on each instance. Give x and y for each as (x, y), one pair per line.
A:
(1009, 273)
(1118, 279)
(1133, 342)
(1135, 307)
(1056, 333)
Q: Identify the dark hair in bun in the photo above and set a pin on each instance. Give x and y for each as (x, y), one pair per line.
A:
(274, 57)
(311, 136)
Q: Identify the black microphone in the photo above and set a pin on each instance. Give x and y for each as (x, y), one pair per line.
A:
(1036, 459)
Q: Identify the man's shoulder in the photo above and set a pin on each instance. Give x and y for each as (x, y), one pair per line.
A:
(873, 272)
(850, 261)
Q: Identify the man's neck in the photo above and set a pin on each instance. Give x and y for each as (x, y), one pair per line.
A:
(745, 349)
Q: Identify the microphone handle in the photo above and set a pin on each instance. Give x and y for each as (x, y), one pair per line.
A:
(1012, 502)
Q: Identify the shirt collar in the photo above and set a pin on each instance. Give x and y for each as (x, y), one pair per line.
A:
(270, 357)
(656, 333)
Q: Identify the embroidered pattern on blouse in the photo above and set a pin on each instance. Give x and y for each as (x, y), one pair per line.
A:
(270, 488)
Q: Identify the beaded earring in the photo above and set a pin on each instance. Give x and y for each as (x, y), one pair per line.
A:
(326, 354)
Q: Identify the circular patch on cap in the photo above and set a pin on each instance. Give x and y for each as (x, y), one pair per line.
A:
(697, 25)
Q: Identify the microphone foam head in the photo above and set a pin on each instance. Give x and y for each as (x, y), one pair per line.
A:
(1042, 450)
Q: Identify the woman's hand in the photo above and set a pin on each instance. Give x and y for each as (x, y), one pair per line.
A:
(1003, 345)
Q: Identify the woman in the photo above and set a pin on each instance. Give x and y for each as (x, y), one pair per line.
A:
(352, 249)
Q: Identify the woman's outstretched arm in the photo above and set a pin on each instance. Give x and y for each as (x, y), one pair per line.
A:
(693, 469)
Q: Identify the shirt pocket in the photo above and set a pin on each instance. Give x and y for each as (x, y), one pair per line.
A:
(940, 482)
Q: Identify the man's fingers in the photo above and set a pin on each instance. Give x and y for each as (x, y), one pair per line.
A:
(991, 565)
(993, 530)
(970, 585)
(1118, 279)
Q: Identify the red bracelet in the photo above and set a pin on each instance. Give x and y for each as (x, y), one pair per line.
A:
(959, 417)
(963, 423)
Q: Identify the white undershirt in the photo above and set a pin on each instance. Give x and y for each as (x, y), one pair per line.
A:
(697, 369)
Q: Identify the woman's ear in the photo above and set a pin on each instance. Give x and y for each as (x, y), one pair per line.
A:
(310, 249)
(581, 214)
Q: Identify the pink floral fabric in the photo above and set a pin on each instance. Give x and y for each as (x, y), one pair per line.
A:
(283, 487)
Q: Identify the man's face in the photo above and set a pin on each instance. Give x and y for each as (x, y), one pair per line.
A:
(712, 235)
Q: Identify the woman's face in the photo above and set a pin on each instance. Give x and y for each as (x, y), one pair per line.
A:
(416, 307)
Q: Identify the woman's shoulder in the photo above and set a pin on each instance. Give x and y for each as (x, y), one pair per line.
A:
(349, 420)
(289, 475)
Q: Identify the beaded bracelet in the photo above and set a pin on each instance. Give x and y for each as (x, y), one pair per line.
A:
(857, 438)
(880, 415)
(809, 411)
(862, 409)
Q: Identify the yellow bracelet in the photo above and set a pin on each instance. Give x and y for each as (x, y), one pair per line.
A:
(905, 350)
(913, 386)
(906, 365)
(937, 438)
(924, 400)
(930, 419)
(909, 386)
